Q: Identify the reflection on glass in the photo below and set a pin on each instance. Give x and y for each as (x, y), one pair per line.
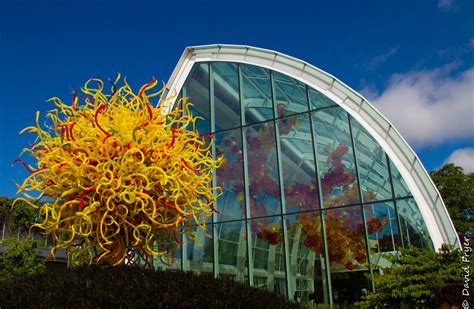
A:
(257, 97)
(267, 95)
(318, 100)
(382, 229)
(196, 88)
(262, 170)
(306, 247)
(198, 252)
(231, 204)
(335, 157)
(347, 253)
(299, 174)
(172, 261)
(290, 95)
(348, 287)
(399, 185)
(346, 240)
(226, 95)
(372, 165)
(267, 254)
(414, 229)
(232, 252)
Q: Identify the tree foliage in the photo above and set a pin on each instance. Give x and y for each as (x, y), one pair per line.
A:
(21, 215)
(19, 259)
(415, 276)
(457, 190)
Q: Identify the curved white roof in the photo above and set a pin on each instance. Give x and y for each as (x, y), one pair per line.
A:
(426, 195)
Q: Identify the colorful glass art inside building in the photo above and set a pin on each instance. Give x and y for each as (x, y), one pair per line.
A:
(310, 200)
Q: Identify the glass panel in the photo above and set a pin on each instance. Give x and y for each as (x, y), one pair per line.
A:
(335, 157)
(230, 177)
(226, 95)
(343, 226)
(414, 230)
(372, 165)
(347, 254)
(173, 261)
(196, 88)
(307, 264)
(267, 254)
(451, 235)
(198, 255)
(290, 95)
(383, 232)
(262, 170)
(399, 185)
(349, 287)
(299, 174)
(346, 240)
(232, 250)
(257, 98)
(319, 100)
(200, 217)
(36, 235)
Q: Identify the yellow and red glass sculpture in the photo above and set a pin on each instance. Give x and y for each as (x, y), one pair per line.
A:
(118, 176)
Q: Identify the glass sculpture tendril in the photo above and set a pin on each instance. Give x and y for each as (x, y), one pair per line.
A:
(119, 177)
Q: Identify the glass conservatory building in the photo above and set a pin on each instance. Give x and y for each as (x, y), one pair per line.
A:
(317, 184)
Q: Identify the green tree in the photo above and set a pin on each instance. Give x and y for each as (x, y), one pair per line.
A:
(5, 207)
(415, 277)
(18, 259)
(457, 190)
(21, 215)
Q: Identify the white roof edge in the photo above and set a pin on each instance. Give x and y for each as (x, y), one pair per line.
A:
(424, 191)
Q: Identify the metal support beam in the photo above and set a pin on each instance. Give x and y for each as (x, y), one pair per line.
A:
(246, 178)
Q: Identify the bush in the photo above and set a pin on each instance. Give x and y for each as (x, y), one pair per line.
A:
(19, 259)
(132, 287)
(415, 277)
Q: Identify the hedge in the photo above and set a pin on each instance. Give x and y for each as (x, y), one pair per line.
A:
(131, 287)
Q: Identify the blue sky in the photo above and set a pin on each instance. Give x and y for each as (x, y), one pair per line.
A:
(413, 59)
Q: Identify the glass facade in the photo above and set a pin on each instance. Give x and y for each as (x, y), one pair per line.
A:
(310, 200)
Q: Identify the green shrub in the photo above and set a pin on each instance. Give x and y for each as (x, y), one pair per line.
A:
(128, 287)
(415, 277)
(19, 259)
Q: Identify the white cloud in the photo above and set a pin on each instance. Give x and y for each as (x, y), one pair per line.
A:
(445, 4)
(369, 92)
(463, 157)
(379, 59)
(430, 107)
